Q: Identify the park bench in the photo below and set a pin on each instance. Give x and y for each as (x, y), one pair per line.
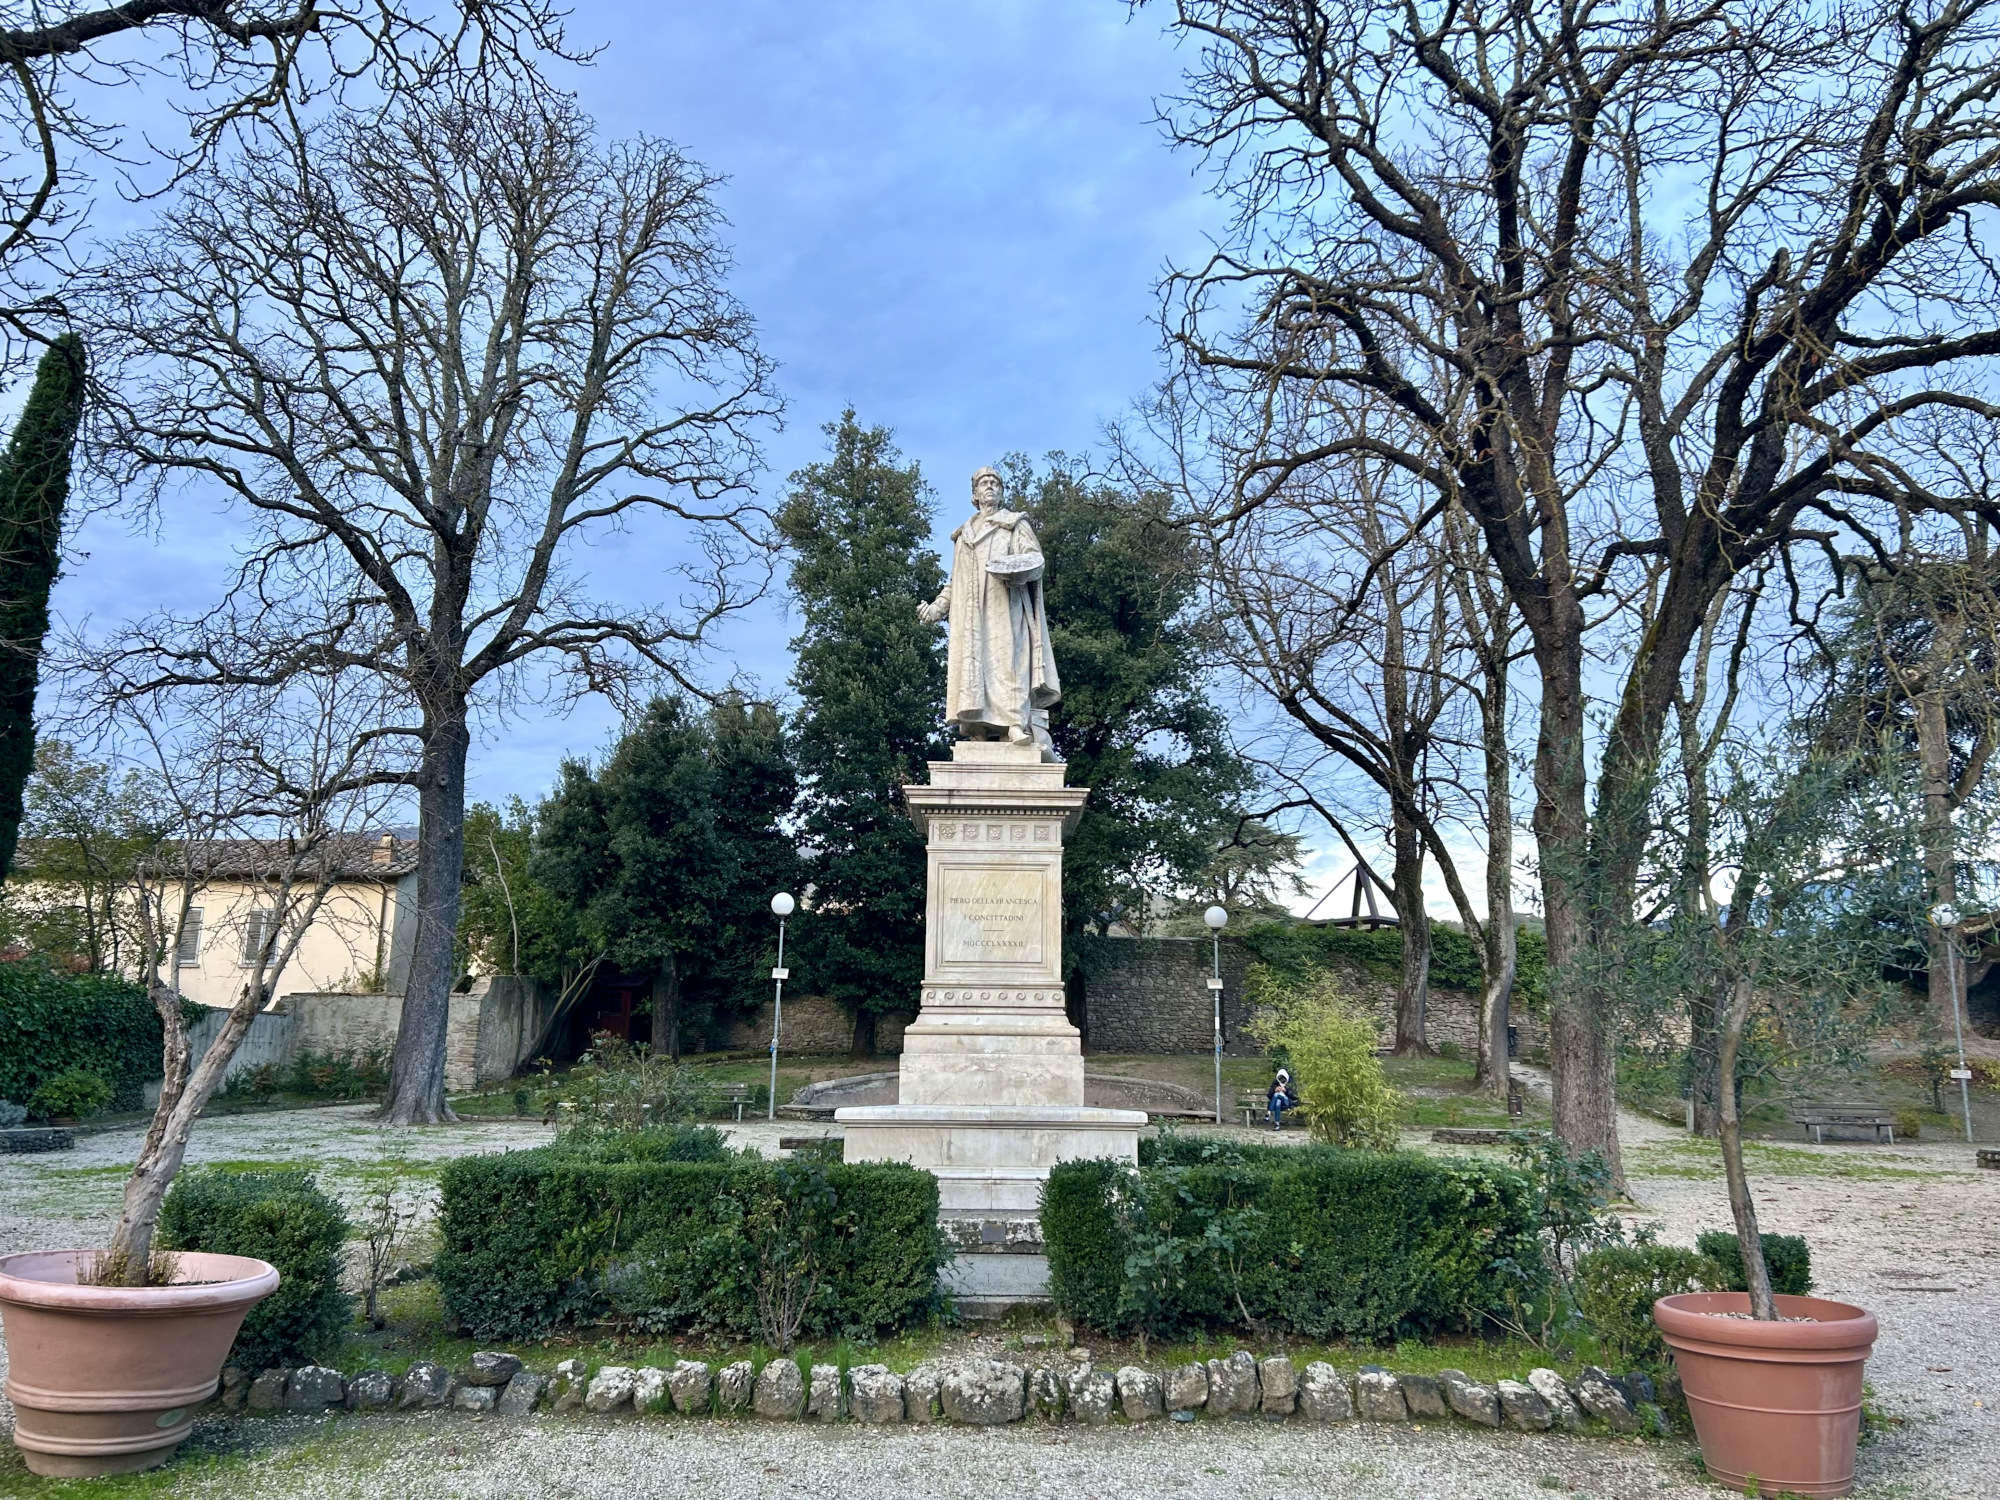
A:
(1252, 1103)
(733, 1095)
(1878, 1123)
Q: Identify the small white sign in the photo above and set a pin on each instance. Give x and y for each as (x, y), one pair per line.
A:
(1215, 984)
(781, 973)
(1965, 1073)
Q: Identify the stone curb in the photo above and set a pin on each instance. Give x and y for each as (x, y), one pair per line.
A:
(973, 1393)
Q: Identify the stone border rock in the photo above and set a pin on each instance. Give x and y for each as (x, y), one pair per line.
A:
(974, 1393)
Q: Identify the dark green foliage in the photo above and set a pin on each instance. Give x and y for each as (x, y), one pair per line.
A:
(362, 1074)
(1786, 1257)
(1616, 1286)
(870, 681)
(1135, 723)
(534, 1241)
(281, 1217)
(654, 1143)
(72, 1094)
(671, 852)
(50, 1021)
(34, 488)
(1315, 1241)
(1569, 1196)
(1293, 948)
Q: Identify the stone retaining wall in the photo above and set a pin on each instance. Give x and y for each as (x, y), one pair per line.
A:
(975, 1392)
(1152, 995)
(815, 1026)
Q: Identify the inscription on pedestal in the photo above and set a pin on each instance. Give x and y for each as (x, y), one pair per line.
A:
(990, 916)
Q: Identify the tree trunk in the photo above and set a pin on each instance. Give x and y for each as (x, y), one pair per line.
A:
(864, 1034)
(1499, 948)
(667, 1008)
(1581, 1060)
(1414, 989)
(416, 1072)
(1742, 1207)
(1940, 863)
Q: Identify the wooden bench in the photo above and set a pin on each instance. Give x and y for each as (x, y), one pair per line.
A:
(733, 1095)
(1255, 1105)
(1879, 1123)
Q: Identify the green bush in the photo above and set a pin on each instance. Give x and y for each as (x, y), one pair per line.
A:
(621, 1228)
(1615, 1289)
(1294, 947)
(281, 1217)
(1786, 1258)
(1330, 1040)
(1315, 1241)
(72, 1094)
(52, 1021)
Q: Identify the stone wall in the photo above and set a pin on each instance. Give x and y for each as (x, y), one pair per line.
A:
(489, 1030)
(815, 1025)
(1151, 995)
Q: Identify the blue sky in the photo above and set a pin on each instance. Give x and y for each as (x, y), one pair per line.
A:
(950, 216)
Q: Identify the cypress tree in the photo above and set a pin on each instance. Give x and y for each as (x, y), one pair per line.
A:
(34, 487)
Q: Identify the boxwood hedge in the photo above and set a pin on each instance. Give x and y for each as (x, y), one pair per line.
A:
(572, 1234)
(1787, 1259)
(282, 1217)
(1315, 1241)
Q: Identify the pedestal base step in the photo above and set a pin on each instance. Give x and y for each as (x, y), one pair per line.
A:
(992, 1159)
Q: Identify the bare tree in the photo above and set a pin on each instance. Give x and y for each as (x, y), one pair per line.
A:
(1351, 643)
(276, 774)
(227, 67)
(428, 356)
(1672, 286)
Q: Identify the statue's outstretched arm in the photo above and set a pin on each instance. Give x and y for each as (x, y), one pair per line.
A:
(937, 609)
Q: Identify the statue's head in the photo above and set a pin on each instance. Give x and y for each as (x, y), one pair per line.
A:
(988, 489)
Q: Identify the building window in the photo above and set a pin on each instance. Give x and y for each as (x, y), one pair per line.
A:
(260, 935)
(188, 955)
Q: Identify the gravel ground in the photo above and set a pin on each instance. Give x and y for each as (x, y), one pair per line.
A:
(452, 1459)
(1909, 1231)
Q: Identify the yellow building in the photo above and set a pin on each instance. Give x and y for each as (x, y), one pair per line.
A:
(359, 941)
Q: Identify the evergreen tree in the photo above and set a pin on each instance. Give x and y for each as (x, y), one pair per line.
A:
(669, 850)
(870, 680)
(34, 487)
(1135, 723)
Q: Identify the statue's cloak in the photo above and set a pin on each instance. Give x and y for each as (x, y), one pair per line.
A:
(1001, 669)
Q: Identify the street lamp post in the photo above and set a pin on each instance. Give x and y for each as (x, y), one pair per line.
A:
(1946, 916)
(1216, 918)
(782, 906)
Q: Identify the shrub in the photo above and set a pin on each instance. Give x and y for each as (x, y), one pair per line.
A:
(620, 1086)
(1786, 1258)
(281, 1217)
(51, 1021)
(663, 1230)
(74, 1093)
(338, 1075)
(1331, 1043)
(1316, 1241)
(1571, 1197)
(11, 1114)
(1909, 1125)
(1615, 1288)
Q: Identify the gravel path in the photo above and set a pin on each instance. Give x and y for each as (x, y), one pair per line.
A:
(415, 1458)
(1910, 1231)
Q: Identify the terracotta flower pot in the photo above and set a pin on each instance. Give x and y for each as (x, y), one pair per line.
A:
(1777, 1401)
(105, 1379)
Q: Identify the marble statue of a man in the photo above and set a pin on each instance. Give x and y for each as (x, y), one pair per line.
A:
(1001, 677)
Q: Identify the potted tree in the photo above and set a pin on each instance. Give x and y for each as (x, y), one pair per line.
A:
(1821, 900)
(110, 1349)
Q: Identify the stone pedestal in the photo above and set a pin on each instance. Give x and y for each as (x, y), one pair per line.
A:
(990, 1087)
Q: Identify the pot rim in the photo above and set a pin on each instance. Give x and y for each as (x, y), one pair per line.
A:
(47, 1279)
(1698, 1315)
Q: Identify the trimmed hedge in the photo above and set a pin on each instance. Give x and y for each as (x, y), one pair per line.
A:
(51, 1022)
(1325, 1243)
(1786, 1257)
(281, 1217)
(614, 1228)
